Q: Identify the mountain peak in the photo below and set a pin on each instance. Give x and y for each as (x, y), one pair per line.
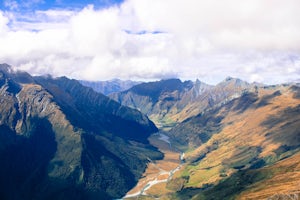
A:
(154, 89)
(197, 81)
(229, 78)
(234, 81)
(5, 68)
(6, 71)
(110, 86)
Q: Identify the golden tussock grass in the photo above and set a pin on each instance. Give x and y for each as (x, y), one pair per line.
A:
(244, 130)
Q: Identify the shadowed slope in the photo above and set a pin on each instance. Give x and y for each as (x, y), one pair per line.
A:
(162, 100)
(75, 141)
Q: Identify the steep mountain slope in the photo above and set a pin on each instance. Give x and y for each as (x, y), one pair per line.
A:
(221, 93)
(94, 111)
(169, 102)
(162, 100)
(61, 140)
(235, 147)
(110, 86)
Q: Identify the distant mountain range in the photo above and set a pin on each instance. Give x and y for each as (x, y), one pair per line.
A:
(61, 140)
(168, 102)
(110, 86)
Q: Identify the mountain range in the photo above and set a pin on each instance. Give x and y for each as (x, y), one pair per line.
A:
(60, 139)
(241, 140)
(168, 102)
(110, 86)
(234, 150)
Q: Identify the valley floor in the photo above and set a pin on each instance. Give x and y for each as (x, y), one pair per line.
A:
(157, 174)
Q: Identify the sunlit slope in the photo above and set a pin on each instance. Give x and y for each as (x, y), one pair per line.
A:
(283, 180)
(246, 134)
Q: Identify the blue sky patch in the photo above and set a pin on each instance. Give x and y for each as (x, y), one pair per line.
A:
(31, 5)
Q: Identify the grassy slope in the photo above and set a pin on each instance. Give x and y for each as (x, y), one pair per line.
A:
(284, 179)
(273, 181)
(255, 131)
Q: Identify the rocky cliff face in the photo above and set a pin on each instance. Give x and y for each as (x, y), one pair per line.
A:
(61, 140)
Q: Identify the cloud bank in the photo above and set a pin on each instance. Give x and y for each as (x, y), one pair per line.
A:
(256, 40)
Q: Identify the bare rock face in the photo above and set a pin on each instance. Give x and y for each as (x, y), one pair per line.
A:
(59, 139)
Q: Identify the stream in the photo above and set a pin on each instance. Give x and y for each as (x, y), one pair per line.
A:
(170, 173)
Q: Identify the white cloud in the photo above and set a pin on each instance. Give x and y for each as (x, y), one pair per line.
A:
(257, 40)
(229, 23)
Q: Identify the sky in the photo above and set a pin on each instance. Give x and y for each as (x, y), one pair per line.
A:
(255, 40)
